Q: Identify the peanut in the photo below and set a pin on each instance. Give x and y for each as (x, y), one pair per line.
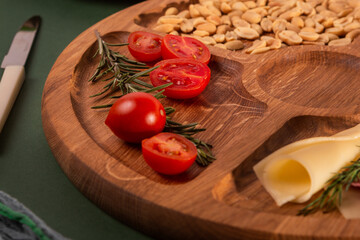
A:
(208, 27)
(340, 42)
(251, 17)
(171, 11)
(246, 33)
(290, 37)
(234, 45)
(309, 36)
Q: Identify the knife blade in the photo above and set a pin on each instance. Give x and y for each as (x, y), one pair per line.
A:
(13, 63)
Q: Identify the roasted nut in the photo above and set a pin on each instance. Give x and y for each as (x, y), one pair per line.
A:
(184, 14)
(251, 17)
(260, 50)
(215, 11)
(352, 26)
(307, 29)
(290, 37)
(250, 4)
(222, 29)
(319, 28)
(225, 19)
(246, 33)
(204, 11)
(256, 44)
(225, 7)
(324, 37)
(164, 28)
(220, 45)
(340, 42)
(239, 6)
(279, 25)
(341, 22)
(208, 27)
(309, 36)
(312, 43)
(238, 22)
(292, 27)
(193, 11)
(171, 11)
(186, 26)
(231, 36)
(266, 24)
(197, 21)
(274, 44)
(214, 19)
(335, 30)
(234, 45)
(219, 38)
(309, 23)
(353, 34)
(172, 19)
(294, 12)
(257, 28)
(208, 40)
(174, 33)
(298, 21)
(331, 36)
(201, 33)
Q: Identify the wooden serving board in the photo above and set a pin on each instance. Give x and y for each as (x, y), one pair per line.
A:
(253, 105)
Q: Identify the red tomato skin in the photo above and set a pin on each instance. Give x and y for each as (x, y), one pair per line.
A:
(193, 89)
(136, 116)
(142, 51)
(165, 163)
(169, 52)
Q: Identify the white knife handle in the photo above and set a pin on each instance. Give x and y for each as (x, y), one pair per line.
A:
(10, 85)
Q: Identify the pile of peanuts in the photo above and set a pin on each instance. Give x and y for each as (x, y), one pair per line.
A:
(268, 24)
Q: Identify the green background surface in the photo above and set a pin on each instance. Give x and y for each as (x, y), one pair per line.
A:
(28, 170)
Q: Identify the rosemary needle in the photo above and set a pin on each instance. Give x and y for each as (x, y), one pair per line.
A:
(122, 74)
(332, 195)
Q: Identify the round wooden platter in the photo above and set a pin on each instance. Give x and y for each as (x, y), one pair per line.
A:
(253, 105)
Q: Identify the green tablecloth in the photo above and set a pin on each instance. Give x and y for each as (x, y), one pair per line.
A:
(28, 170)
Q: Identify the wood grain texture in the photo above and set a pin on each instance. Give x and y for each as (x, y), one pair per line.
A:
(253, 105)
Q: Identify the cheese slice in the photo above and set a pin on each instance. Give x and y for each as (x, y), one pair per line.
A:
(296, 171)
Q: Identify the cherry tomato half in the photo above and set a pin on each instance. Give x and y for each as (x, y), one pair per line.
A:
(136, 116)
(189, 77)
(145, 46)
(169, 153)
(173, 46)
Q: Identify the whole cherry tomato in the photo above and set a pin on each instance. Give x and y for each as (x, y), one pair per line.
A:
(136, 116)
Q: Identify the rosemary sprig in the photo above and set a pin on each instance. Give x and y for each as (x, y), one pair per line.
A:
(122, 74)
(205, 155)
(331, 197)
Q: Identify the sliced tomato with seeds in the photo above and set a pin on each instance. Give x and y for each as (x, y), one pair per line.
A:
(169, 153)
(189, 77)
(173, 46)
(145, 46)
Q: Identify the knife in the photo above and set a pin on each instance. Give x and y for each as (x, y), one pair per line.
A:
(13, 63)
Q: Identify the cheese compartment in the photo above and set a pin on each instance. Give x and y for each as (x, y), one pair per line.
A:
(242, 189)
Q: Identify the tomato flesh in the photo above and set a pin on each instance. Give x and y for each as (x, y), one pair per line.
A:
(189, 77)
(145, 46)
(169, 153)
(136, 116)
(173, 46)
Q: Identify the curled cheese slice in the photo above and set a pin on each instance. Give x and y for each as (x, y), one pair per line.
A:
(297, 171)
